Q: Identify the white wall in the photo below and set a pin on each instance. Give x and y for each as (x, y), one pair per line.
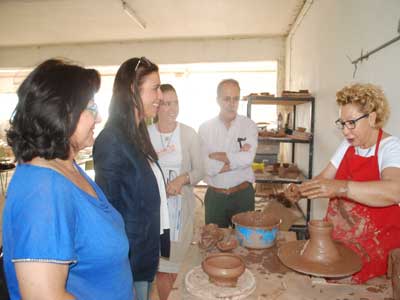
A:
(316, 59)
(160, 51)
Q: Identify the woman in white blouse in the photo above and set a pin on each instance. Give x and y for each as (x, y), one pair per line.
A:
(178, 149)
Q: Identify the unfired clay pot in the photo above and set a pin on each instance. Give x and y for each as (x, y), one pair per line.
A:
(320, 247)
(210, 235)
(320, 255)
(223, 269)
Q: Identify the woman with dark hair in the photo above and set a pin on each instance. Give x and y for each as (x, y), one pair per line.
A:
(62, 239)
(178, 149)
(126, 166)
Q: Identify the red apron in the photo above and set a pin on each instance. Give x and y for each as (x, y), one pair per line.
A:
(371, 232)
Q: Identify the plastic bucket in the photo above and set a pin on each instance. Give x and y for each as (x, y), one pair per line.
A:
(256, 230)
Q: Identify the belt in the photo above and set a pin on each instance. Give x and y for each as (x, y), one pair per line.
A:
(234, 189)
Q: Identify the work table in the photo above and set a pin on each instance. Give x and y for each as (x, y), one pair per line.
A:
(276, 282)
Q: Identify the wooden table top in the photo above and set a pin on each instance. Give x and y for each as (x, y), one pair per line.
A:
(276, 282)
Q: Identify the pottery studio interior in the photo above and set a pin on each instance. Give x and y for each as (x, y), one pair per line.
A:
(217, 149)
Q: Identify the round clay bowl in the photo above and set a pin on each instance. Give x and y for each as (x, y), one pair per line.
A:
(228, 245)
(223, 269)
(256, 230)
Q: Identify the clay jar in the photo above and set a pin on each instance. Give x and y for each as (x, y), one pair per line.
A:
(288, 171)
(320, 247)
(223, 269)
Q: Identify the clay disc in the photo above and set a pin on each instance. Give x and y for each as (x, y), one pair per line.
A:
(350, 262)
(197, 284)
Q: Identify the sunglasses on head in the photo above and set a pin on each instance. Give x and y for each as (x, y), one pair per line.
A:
(142, 60)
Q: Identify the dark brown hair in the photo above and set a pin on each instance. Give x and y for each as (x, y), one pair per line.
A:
(124, 102)
(50, 102)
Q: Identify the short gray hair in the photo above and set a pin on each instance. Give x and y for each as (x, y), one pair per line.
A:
(223, 82)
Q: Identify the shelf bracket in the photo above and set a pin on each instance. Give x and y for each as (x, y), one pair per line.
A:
(369, 53)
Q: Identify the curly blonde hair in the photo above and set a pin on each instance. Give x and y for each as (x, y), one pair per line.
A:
(369, 98)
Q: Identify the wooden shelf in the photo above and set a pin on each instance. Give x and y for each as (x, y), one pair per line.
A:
(283, 139)
(262, 100)
(267, 177)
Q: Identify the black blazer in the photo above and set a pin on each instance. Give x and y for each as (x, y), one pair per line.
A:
(129, 183)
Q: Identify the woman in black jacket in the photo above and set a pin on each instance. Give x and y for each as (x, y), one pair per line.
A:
(124, 161)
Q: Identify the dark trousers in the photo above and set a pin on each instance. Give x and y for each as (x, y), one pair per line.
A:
(220, 207)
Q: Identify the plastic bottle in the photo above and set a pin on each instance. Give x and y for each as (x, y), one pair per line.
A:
(280, 121)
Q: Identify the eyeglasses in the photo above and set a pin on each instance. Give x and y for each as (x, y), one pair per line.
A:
(350, 124)
(231, 99)
(142, 59)
(93, 109)
(169, 103)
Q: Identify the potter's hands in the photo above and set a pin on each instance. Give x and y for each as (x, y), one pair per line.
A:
(220, 156)
(292, 193)
(174, 187)
(245, 148)
(324, 188)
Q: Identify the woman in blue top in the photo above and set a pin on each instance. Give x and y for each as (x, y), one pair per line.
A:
(62, 239)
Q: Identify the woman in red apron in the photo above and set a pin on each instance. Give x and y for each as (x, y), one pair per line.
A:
(364, 196)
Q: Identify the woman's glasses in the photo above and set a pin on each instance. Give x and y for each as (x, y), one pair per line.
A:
(169, 103)
(350, 124)
(93, 109)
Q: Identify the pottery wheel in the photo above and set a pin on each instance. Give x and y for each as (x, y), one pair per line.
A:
(290, 255)
(197, 283)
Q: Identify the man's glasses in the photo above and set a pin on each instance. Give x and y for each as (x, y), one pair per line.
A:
(141, 60)
(93, 109)
(228, 99)
(350, 124)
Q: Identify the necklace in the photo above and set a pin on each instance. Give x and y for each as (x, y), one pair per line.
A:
(364, 152)
(165, 139)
